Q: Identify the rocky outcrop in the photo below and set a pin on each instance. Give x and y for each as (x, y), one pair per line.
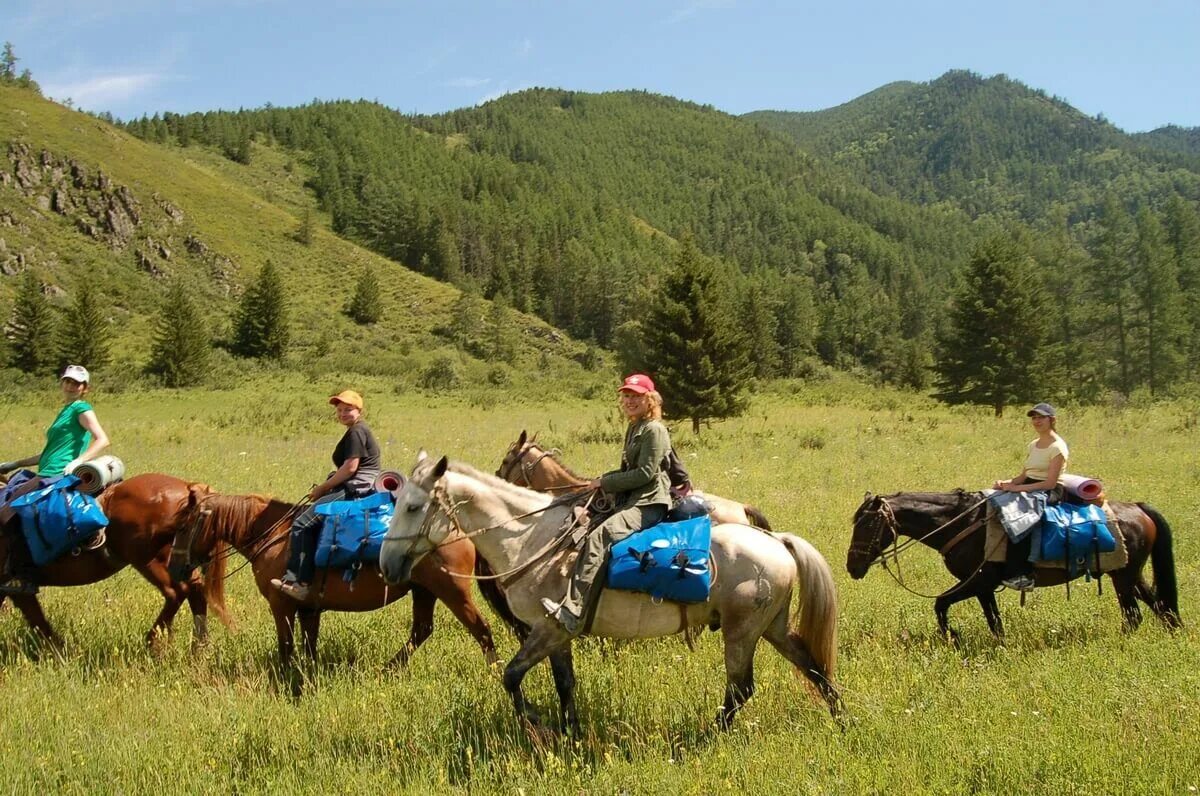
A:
(195, 246)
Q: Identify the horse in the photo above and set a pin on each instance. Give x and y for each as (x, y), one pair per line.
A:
(144, 514)
(518, 531)
(527, 464)
(954, 523)
(258, 528)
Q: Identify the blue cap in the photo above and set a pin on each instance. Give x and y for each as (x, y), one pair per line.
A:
(1043, 409)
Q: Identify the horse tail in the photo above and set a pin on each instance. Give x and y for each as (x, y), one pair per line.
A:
(214, 573)
(1162, 561)
(757, 518)
(491, 591)
(816, 625)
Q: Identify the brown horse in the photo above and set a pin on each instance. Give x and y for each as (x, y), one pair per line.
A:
(257, 527)
(953, 524)
(529, 465)
(144, 514)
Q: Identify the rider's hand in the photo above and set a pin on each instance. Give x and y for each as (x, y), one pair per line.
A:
(70, 468)
(317, 492)
(594, 483)
(7, 466)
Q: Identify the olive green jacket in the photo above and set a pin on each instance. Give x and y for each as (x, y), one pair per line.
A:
(641, 481)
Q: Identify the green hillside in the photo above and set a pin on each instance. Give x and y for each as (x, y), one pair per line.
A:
(83, 201)
(991, 146)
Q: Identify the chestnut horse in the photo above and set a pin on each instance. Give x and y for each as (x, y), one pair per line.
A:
(258, 528)
(529, 465)
(952, 523)
(144, 514)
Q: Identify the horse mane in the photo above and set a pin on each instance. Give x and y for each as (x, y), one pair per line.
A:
(230, 515)
(493, 481)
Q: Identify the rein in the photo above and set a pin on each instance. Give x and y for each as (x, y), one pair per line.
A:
(204, 515)
(888, 520)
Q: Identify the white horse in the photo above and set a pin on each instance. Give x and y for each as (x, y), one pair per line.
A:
(515, 530)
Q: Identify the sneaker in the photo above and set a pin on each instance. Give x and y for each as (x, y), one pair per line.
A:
(1020, 583)
(18, 585)
(562, 615)
(297, 591)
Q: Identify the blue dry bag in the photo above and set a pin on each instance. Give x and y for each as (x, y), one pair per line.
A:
(1082, 528)
(669, 561)
(57, 518)
(353, 530)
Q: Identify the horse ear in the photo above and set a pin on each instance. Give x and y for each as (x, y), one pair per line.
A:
(521, 439)
(197, 492)
(867, 496)
(422, 455)
(534, 437)
(439, 469)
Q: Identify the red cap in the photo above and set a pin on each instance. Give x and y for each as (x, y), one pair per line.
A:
(638, 383)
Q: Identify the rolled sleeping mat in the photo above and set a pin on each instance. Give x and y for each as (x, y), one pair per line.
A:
(388, 481)
(1081, 486)
(99, 473)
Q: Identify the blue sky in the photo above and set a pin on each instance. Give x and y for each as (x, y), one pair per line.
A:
(1141, 68)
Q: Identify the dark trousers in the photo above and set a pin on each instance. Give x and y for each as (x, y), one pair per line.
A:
(1016, 561)
(306, 532)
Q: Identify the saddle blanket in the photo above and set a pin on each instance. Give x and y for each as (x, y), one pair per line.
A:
(58, 518)
(669, 561)
(353, 531)
(1113, 552)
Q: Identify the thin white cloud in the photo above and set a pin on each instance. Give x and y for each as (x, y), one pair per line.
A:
(693, 8)
(467, 82)
(525, 47)
(98, 92)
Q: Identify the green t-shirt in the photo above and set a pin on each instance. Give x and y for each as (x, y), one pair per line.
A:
(65, 439)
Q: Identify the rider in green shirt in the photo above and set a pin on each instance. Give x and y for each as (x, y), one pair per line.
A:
(73, 438)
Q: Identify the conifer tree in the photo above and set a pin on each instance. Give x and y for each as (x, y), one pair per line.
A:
(304, 233)
(1182, 227)
(467, 323)
(30, 328)
(1160, 304)
(262, 323)
(8, 63)
(181, 353)
(502, 332)
(692, 343)
(85, 338)
(1114, 257)
(366, 305)
(992, 352)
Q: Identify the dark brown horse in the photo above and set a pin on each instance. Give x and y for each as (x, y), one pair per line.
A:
(257, 527)
(144, 514)
(944, 522)
(527, 464)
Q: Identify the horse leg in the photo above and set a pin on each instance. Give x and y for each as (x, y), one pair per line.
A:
(739, 674)
(198, 605)
(991, 611)
(792, 648)
(457, 597)
(310, 626)
(544, 639)
(156, 572)
(563, 667)
(956, 594)
(285, 619)
(31, 609)
(1125, 585)
(423, 603)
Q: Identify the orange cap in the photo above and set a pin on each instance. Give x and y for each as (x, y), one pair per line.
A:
(348, 397)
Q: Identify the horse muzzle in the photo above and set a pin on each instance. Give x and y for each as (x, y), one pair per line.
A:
(397, 570)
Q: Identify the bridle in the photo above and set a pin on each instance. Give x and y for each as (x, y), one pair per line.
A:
(885, 520)
(262, 541)
(529, 468)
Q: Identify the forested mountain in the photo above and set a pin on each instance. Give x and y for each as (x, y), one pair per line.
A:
(993, 147)
(84, 205)
(1172, 138)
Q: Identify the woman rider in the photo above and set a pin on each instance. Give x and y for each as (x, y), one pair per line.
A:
(641, 488)
(356, 458)
(1045, 463)
(73, 438)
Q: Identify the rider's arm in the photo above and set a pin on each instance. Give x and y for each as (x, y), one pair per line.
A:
(17, 464)
(340, 476)
(99, 440)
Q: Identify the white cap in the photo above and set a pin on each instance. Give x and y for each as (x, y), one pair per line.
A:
(76, 373)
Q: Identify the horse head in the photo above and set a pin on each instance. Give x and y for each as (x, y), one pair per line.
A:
(510, 466)
(411, 534)
(874, 529)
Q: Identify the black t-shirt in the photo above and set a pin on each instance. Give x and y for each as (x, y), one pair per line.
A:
(359, 443)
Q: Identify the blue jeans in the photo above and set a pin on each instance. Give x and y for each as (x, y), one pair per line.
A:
(306, 532)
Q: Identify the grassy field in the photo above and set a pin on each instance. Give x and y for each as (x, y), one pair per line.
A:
(1069, 705)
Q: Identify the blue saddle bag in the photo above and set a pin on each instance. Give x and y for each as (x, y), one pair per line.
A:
(669, 561)
(1081, 528)
(353, 530)
(57, 518)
